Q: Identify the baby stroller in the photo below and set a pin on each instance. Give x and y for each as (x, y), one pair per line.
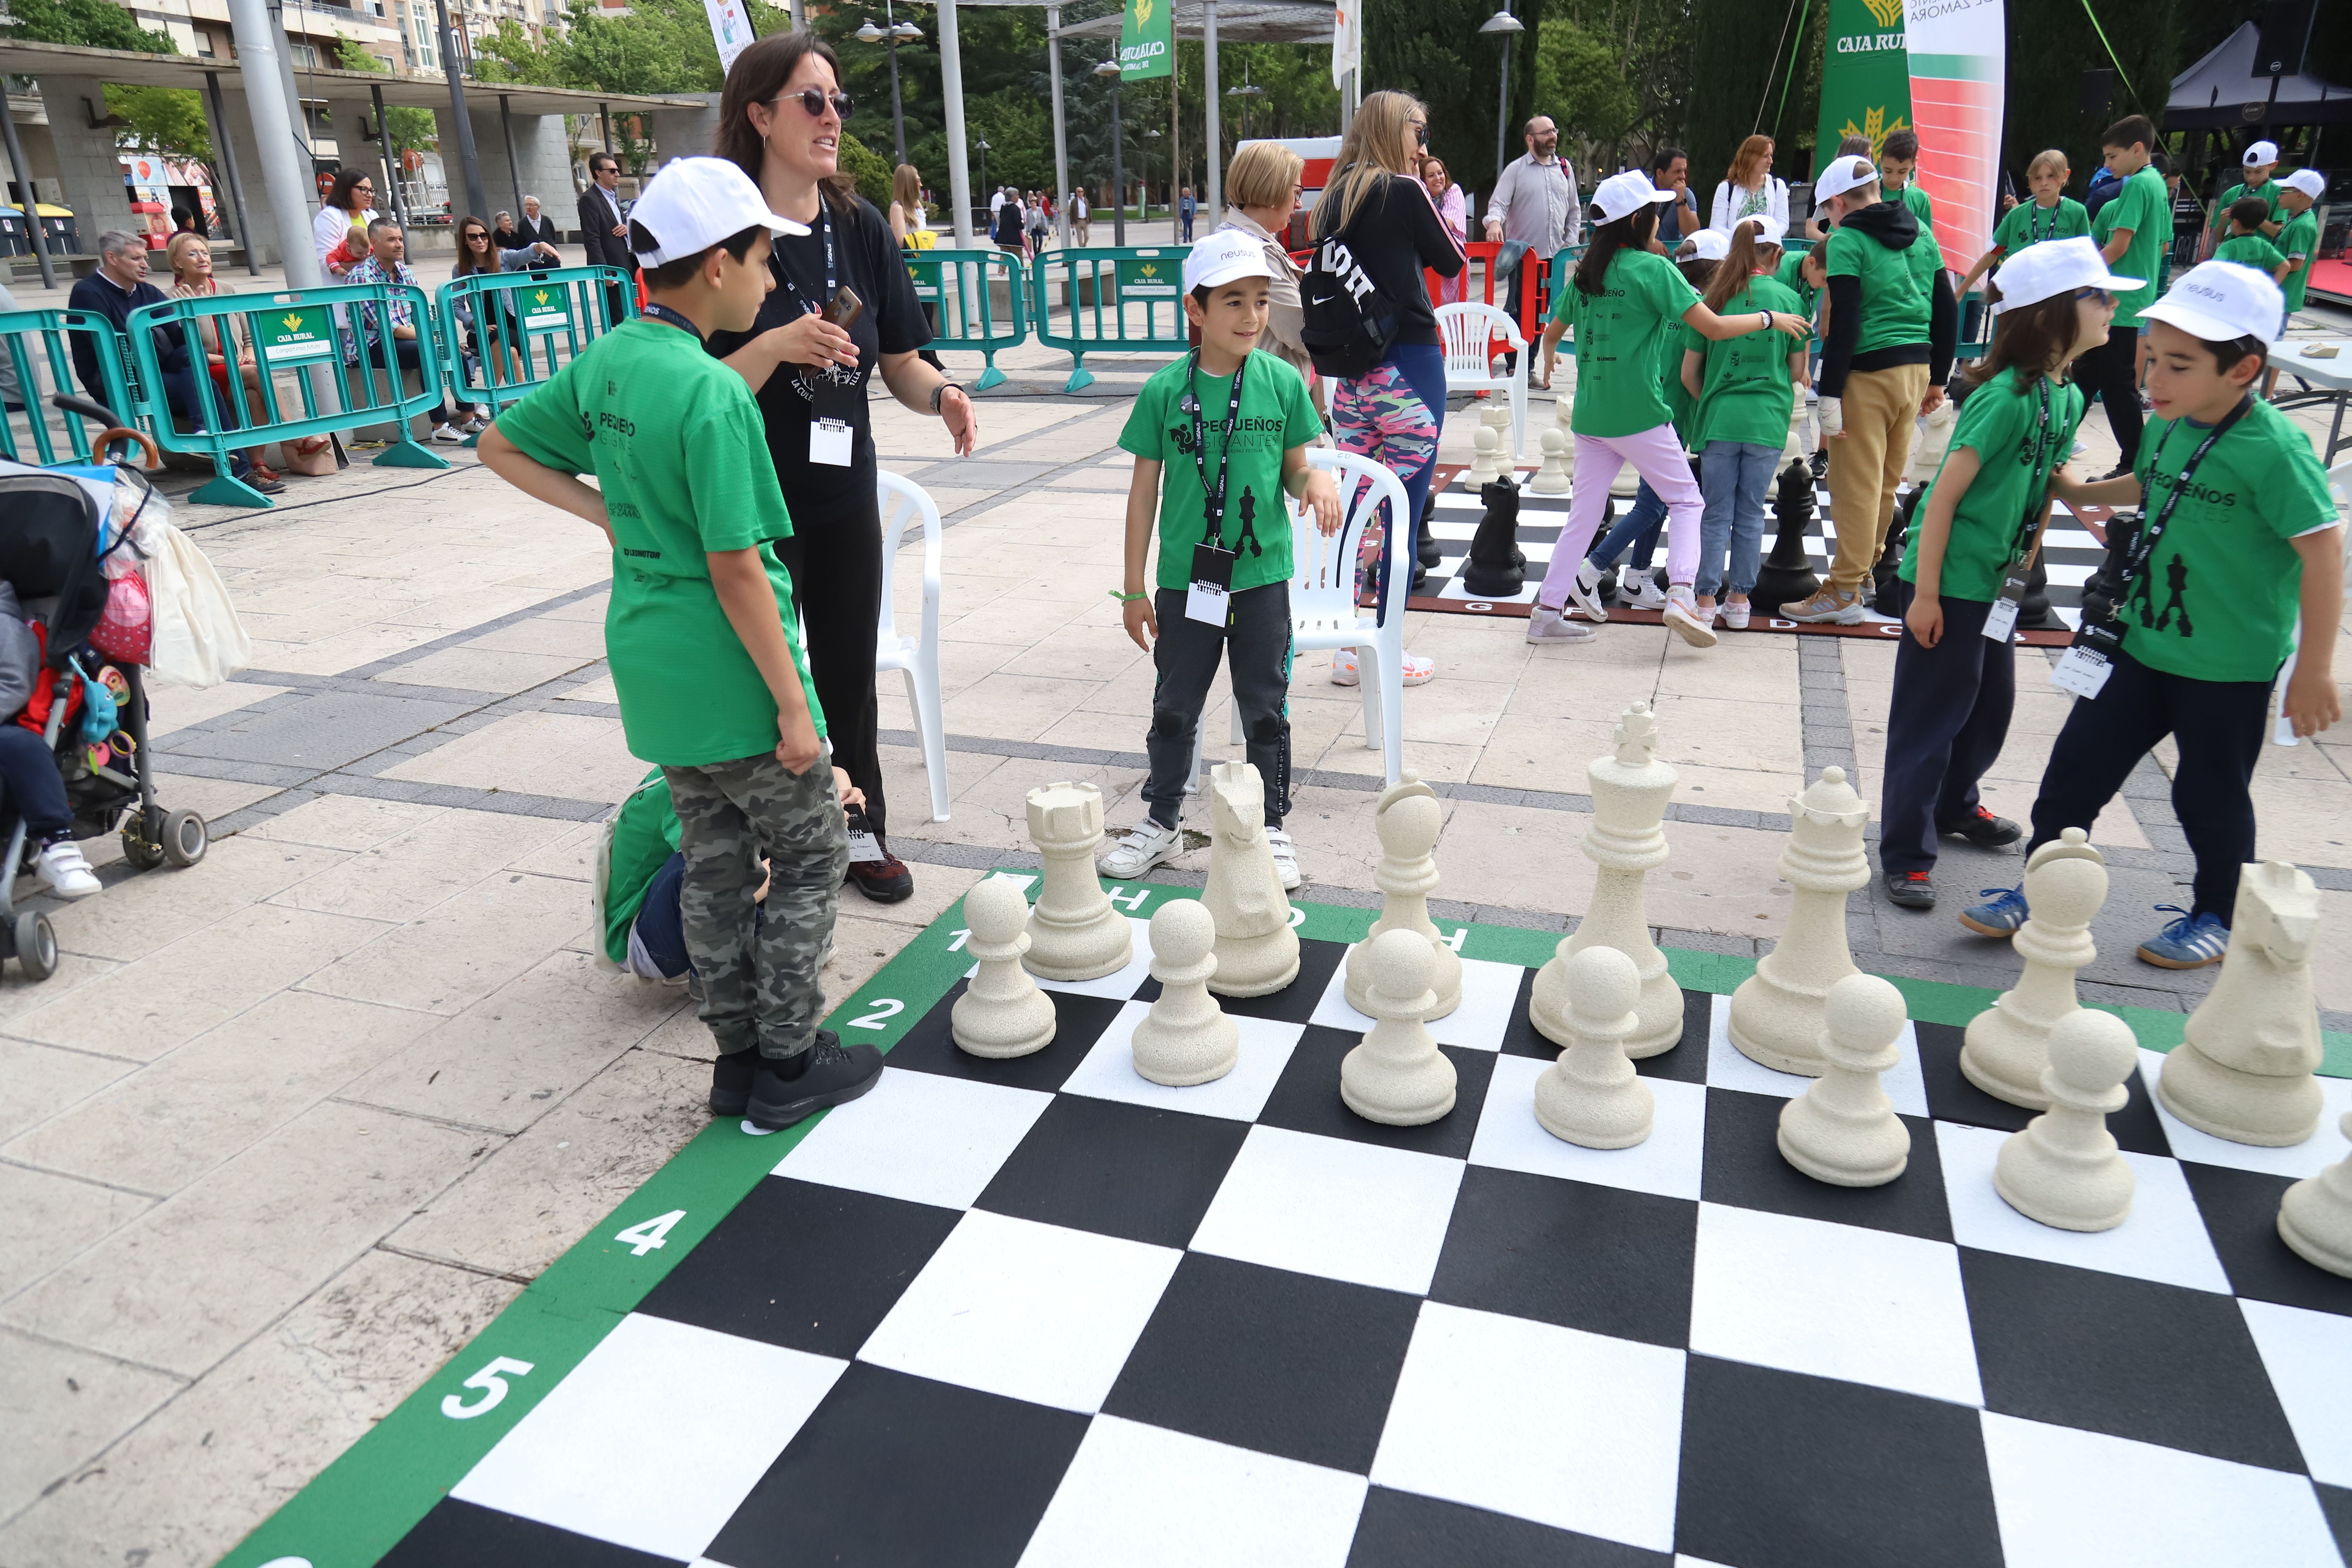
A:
(53, 532)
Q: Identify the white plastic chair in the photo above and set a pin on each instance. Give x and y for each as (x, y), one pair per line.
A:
(1468, 331)
(916, 658)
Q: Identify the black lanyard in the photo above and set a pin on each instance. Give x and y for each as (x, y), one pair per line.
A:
(2033, 235)
(1213, 498)
(653, 312)
(2146, 545)
(2042, 454)
(832, 276)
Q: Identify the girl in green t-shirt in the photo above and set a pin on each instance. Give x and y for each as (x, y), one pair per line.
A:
(1623, 303)
(1978, 526)
(2051, 215)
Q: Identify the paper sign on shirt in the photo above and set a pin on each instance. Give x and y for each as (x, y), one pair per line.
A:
(1209, 599)
(829, 442)
(2000, 621)
(2084, 668)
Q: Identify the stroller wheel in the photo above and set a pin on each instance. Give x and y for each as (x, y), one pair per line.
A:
(185, 838)
(37, 945)
(142, 840)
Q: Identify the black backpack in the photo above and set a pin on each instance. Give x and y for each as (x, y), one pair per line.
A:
(1348, 325)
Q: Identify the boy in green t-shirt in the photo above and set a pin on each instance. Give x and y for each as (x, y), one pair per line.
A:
(2259, 165)
(2298, 239)
(2051, 215)
(2133, 229)
(1219, 439)
(2198, 604)
(1899, 170)
(704, 652)
(2246, 246)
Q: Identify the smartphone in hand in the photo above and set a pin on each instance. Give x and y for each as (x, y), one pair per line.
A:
(844, 307)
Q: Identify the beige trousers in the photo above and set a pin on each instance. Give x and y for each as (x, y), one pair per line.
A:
(1866, 463)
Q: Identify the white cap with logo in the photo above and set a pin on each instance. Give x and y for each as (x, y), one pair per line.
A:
(1847, 174)
(1630, 192)
(1770, 230)
(694, 202)
(2310, 181)
(1709, 245)
(2056, 266)
(2260, 154)
(2219, 301)
(1225, 255)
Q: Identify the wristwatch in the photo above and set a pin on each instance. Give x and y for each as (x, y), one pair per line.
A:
(941, 391)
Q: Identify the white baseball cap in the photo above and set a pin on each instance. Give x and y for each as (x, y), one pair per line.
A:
(1770, 230)
(1707, 245)
(694, 202)
(1850, 173)
(2219, 300)
(1225, 255)
(2261, 153)
(1627, 192)
(2056, 266)
(2310, 181)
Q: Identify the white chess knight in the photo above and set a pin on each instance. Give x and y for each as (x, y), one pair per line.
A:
(1002, 1013)
(1186, 1038)
(1487, 463)
(1592, 1095)
(2064, 1169)
(1257, 950)
(1074, 931)
(1843, 1130)
(2316, 1216)
(1778, 1012)
(1397, 1076)
(1552, 479)
(2008, 1043)
(2247, 1068)
(1408, 820)
(1627, 840)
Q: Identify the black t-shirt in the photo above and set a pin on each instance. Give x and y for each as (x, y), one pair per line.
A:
(1395, 234)
(865, 258)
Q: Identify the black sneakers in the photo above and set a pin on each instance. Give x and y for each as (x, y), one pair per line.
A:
(730, 1083)
(1910, 889)
(786, 1090)
(1984, 831)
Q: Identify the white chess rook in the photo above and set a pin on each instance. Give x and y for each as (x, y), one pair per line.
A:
(2064, 1169)
(1843, 1130)
(1551, 479)
(2247, 1068)
(1778, 1013)
(1627, 840)
(1592, 1095)
(1002, 1013)
(2316, 1216)
(1074, 931)
(1257, 951)
(2008, 1043)
(1397, 1076)
(1186, 1038)
(1408, 821)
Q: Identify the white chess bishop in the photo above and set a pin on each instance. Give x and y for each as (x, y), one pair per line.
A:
(2247, 1067)
(2064, 1169)
(2008, 1043)
(1002, 1013)
(1408, 820)
(1627, 840)
(1591, 1096)
(1778, 1012)
(1257, 949)
(1186, 1038)
(1843, 1130)
(2315, 1215)
(1074, 931)
(1397, 1076)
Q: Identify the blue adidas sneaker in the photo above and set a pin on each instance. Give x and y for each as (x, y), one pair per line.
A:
(2192, 941)
(2001, 914)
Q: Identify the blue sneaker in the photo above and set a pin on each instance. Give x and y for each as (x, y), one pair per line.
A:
(2001, 914)
(2192, 941)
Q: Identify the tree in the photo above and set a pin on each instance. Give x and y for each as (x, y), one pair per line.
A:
(868, 168)
(412, 129)
(1581, 82)
(166, 120)
(91, 24)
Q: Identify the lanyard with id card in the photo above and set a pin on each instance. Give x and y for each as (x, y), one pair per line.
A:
(1209, 599)
(2000, 621)
(831, 441)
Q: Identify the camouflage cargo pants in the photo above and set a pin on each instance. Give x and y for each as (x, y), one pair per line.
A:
(760, 972)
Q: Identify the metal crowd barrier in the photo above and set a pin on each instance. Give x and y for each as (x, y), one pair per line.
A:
(37, 353)
(526, 326)
(970, 296)
(1116, 300)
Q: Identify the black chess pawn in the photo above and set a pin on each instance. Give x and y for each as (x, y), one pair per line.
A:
(2034, 611)
(1426, 545)
(1886, 585)
(1788, 574)
(1497, 567)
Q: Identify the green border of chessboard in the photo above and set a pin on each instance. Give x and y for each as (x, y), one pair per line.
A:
(360, 1506)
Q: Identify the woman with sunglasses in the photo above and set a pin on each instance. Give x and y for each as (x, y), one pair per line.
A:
(494, 340)
(350, 200)
(780, 121)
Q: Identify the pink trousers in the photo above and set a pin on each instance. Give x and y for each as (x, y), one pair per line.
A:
(1657, 456)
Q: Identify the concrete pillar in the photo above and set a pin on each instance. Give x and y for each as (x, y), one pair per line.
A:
(686, 133)
(260, 216)
(89, 170)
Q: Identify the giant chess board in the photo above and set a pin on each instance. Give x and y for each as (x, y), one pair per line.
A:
(1044, 1311)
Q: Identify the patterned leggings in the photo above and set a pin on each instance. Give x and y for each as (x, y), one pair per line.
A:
(1392, 414)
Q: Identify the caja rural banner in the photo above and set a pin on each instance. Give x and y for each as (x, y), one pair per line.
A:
(1865, 85)
(1959, 72)
(1147, 32)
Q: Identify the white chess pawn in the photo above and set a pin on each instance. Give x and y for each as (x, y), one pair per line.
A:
(1002, 1013)
(2008, 1043)
(1592, 1095)
(1397, 1076)
(1777, 1013)
(1552, 479)
(1074, 931)
(2316, 1216)
(1408, 822)
(2246, 1068)
(1843, 1130)
(1186, 1038)
(2064, 1169)
(1257, 950)
(1487, 461)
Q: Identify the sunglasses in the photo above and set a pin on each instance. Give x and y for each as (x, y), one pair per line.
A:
(2096, 296)
(813, 100)
(1421, 133)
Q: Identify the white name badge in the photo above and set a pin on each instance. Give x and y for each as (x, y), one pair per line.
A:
(829, 442)
(2082, 672)
(1208, 604)
(2000, 620)
(862, 847)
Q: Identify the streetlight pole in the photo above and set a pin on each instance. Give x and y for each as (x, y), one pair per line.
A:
(893, 32)
(1117, 163)
(981, 145)
(452, 64)
(1503, 22)
(1151, 134)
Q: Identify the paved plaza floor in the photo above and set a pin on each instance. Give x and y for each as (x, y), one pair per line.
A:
(286, 1128)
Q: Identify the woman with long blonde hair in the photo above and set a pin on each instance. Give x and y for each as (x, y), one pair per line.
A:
(1750, 188)
(1375, 222)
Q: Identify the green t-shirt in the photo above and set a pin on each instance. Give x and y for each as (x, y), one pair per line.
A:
(675, 442)
(2029, 224)
(1681, 408)
(1792, 277)
(1747, 392)
(2252, 251)
(1623, 334)
(2145, 207)
(1898, 287)
(2268, 190)
(2218, 600)
(2015, 454)
(1912, 196)
(643, 837)
(1275, 415)
(2300, 237)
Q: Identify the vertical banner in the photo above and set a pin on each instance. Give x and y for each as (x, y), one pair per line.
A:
(730, 29)
(1147, 39)
(1958, 67)
(1346, 42)
(1865, 87)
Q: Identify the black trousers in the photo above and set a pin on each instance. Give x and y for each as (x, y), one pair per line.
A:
(1256, 643)
(1945, 726)
(2111, 370)
(841, 560)
(2218, 725)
